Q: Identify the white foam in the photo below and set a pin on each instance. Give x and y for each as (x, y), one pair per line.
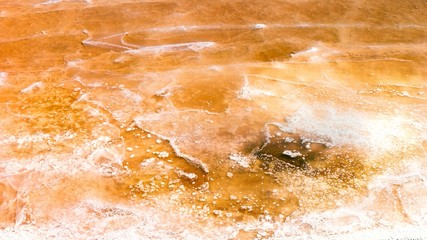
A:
(36, 138)
(403, 231)
(352, 127)
(84, 158)
(105, 220)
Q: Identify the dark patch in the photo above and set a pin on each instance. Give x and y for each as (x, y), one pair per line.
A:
(276, 51)
(291, 149)
(340, 166)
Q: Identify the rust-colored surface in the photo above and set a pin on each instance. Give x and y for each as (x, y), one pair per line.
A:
(213, 119)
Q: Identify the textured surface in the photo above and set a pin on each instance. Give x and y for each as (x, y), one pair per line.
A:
(213, 119)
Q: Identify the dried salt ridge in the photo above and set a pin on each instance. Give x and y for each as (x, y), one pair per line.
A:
(215, 120)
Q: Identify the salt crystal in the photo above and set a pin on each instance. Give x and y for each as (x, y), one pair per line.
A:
(163, 154)
(292, 154)
(33, 86)
(217, 212)
(405, 94)
(240, 159)
(258, 26)
(191, 176)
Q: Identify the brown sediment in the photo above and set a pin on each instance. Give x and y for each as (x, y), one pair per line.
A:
(244, 193)
(227, 193)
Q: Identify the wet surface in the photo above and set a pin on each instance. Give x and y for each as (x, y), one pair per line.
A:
(213, 120)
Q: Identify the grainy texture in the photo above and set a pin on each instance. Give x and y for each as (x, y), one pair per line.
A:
(213, 119)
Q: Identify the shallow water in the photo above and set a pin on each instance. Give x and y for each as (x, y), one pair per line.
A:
(213, 120)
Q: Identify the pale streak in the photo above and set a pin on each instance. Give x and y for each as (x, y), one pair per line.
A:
(104, 44)
(3, 78)
(278, 80)
(32, 87)
(190, 46)
(190, 159)
(259, 26)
